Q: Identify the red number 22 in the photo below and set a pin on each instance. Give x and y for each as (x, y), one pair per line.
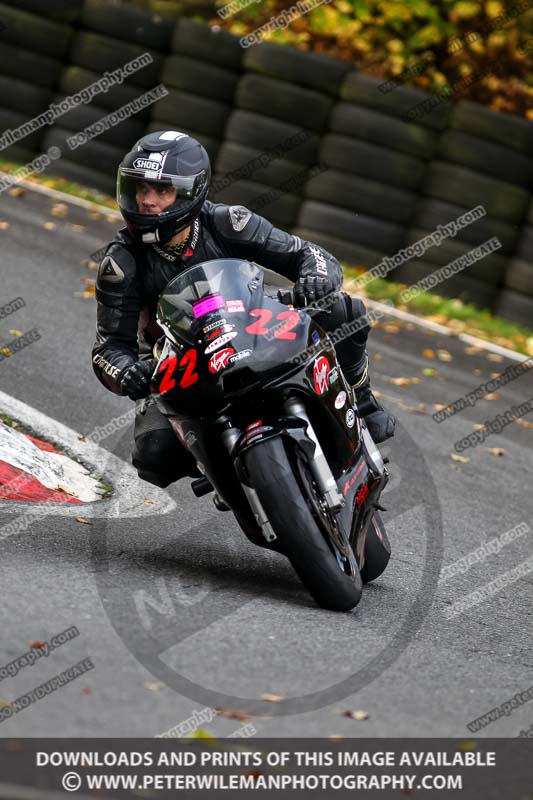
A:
(169, 366)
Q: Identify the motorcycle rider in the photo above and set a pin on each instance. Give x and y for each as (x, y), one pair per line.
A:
(162, 187)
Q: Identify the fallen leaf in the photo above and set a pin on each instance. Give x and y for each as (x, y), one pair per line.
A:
(73, 227)
(428, 353)
(36, 643)
(377, 357)
(494, 357)
(467, 745)
(4, 703)
(199, 733)
(50, 226)
(95, 215)
(16, 191)
(112, 219)
(4, 226)
(359, 715)
(476, 372)
(86, 690)
(429, 371)
(6, 351)
(400, 381)
(472, 350)
(492, 396)
(462, 459)
(272, 698)
(522, 422)
(377, 394)
(416, 380)
(444, 355)
(149, 502)
(59, 210)
(230, 714)
(497, 451)
(438, 406)
(153, 686)
(391, 327)
(87, 294)
(84, 521)
(438, 318)
(15, 332)
(478, 426)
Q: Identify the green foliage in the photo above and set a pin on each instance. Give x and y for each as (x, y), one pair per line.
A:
(391, 37)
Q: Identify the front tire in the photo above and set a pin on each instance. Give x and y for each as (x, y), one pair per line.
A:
(276, 471)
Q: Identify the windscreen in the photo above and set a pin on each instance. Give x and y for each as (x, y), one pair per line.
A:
(204, 292)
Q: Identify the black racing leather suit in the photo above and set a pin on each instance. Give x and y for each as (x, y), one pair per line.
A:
(133, 275)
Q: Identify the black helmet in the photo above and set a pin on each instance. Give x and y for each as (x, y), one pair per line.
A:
(164, 157)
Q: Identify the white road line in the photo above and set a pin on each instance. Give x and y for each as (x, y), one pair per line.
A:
(130, 491)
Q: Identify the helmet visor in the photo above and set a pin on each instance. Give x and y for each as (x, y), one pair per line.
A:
(145, 191)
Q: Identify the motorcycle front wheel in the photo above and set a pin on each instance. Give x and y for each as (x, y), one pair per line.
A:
(303, 524)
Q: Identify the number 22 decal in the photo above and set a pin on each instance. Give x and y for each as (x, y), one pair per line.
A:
(169, 367)
(281, 331)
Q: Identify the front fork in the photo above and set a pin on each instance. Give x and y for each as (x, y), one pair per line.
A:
(318, 465)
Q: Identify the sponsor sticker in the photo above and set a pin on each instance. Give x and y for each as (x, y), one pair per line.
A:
(234, 305)
(219, 331)
(316, 337)
(333, 376)
(340, 400)
(216, 324)
(207, 304)
(220, 342)
(320, 375)
(219, 360)
(350, 417)
(238, 356)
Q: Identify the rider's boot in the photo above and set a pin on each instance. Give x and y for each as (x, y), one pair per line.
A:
(379, 422)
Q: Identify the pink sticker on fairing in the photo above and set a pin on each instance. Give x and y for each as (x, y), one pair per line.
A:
(202, 307)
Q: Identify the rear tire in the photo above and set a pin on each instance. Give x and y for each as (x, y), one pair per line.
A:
(377, 550)
(273, 469)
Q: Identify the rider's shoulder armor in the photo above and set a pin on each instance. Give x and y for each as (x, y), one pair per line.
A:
(238, 223)
(117, 270)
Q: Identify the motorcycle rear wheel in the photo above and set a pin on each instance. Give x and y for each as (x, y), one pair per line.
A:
(287, 493)
(377, 550)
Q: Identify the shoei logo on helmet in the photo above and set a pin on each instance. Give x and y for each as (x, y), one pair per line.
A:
(146, 163)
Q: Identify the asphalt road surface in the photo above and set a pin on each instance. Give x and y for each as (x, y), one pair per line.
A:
(180, 613)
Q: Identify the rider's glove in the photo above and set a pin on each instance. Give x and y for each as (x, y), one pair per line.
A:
(309, 288)
(135, 382)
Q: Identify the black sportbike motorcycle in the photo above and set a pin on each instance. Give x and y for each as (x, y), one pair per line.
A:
(252, 388)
